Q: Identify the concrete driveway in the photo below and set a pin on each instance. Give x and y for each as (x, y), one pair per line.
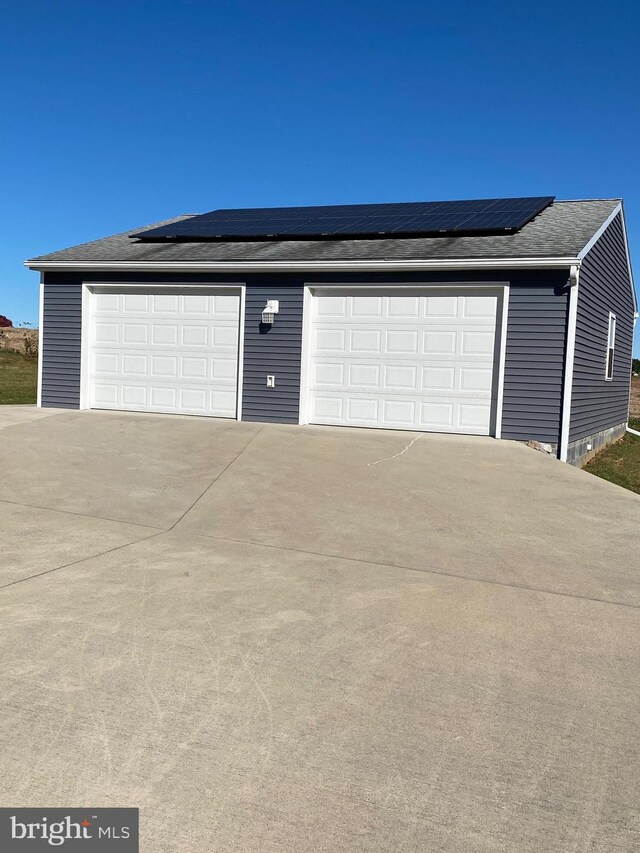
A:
(276, 638)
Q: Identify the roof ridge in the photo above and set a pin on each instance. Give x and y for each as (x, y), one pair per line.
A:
(581, 200)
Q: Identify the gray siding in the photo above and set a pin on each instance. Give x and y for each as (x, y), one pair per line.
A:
(604, 286)
(535, 341)
(534, 368)
(61, 345)
(272, 349)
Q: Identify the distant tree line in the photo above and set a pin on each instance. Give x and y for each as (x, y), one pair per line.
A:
(636, 365)
(5, 322)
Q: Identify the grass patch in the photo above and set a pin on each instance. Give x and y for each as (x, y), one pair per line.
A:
(18, 378)
(620, 462)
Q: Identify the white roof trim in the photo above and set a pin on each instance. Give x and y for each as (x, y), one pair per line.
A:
(306, 266)
(619, 209)
(626, 248)
(600, 231)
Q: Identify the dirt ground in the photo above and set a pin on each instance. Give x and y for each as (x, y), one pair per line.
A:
(16, 339)
(635, 397)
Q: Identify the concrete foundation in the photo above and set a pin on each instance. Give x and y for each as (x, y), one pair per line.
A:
(581, 451)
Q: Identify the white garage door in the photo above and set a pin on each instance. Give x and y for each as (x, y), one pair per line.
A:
(422, 360)
(168, 351)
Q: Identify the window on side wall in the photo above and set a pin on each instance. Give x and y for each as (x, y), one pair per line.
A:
(611, 346)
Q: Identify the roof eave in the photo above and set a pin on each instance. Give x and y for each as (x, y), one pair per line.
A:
(237, 266)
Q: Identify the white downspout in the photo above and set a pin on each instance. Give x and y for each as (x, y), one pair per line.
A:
(574, 274)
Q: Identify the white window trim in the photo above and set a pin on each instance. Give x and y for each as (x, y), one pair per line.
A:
(502, 315)
(611, 345)
(88, 289)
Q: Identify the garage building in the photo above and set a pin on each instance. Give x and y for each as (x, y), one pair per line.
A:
(505, 317)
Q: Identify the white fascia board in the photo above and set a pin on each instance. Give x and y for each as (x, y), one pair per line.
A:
(600, 231)
(626, 248)
(565, 427)
(304, 266)
(619, 209)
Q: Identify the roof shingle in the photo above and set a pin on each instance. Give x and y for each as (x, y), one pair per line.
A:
(559, 231)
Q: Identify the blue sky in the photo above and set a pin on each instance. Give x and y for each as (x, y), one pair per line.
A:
(119, 114)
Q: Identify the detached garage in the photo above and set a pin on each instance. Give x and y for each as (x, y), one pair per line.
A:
(504, 317)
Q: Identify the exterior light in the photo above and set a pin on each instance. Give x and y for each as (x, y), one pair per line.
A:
(269, 311)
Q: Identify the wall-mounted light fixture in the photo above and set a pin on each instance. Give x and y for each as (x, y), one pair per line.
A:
(270, 310)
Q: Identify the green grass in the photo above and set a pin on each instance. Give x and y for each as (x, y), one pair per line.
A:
(620, 462)
(18, 378)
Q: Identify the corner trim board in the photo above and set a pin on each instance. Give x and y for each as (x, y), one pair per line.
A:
(305, 358)
(568, 363)
(40, 344)
(504, 321)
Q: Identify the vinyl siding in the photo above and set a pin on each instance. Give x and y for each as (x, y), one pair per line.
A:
(604, 286)
(273, 350)
(534, 367)
(535, 339)
(61, 345)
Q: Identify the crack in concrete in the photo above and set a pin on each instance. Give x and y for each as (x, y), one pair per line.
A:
(395, 455)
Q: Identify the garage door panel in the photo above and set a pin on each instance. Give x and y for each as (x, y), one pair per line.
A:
(104, 394)
(401, 342)
(476, 379)
(408, 361)
(332, 306)
(400, 377)
(106, 302)
(476, 307)
(161, 335)
(477, 343)
(363, 409)
(439, 342)
(329, 374)
(168, 352)
(328, 409)
(134, 395)
(135, 303)
(194, 336)
(365, 376)
(194, 368)
(365, 307)
(330, 340)
(473, 417)
(405, 307)
(437, 415)
(193, 399)
(399, 412)
(106, 363)
(364, 340)
(438, 379)
(106, 333)
(165, 303)
(441, 307)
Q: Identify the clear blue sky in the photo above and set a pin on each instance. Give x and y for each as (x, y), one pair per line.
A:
(116, 114)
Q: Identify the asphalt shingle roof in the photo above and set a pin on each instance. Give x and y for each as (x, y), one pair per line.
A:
(560, 230)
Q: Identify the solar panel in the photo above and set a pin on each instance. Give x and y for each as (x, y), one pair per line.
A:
(476, 216)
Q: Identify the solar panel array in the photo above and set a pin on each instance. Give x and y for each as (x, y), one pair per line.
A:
(497, 215)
